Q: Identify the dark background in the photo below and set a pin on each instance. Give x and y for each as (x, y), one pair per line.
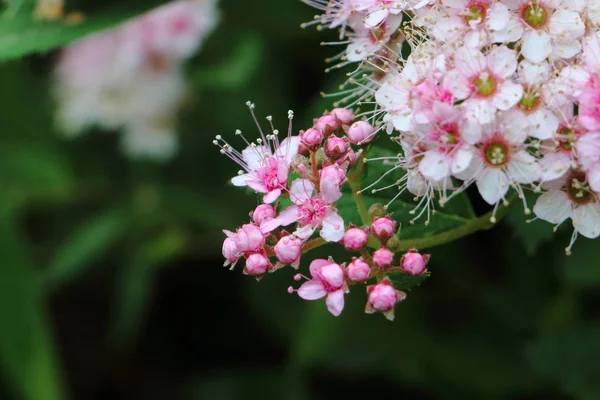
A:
(124, 258)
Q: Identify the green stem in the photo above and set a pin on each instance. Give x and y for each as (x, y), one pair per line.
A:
(354, 182)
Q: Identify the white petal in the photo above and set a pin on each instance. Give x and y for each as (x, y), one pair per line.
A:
(523, 168)
(553, 207)
(458, 84)
(593, 177)
(566, 49)
(469, 62)
(508, 95)
(502, 61)
(301, 190)
(536, 46)
(456, 4)
(542, 124)
(416, 184)
(333, 228)
(586, 220)
(510, 33)
(554, 166)
(492, 185)
(375, 18)
(534, 74)
(461, 160)
(498, 17)
(565, 25)
(288, 148)
(240, 180)
(253, 156)
(434, 165)
(479, 110)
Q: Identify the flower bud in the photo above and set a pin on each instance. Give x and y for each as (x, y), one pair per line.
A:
(344, 116)
(335, 147)
(383, 258)
(288, 250)
(383, 297)
(231, 252)
(358, 270)
(311, 138)
(332, 277)
(256, 264)
(383, 228)
(377, 210)
(360, 132)
(249, 238)
(327, 124)
(414, 263)
(355, 239)
(263, 212)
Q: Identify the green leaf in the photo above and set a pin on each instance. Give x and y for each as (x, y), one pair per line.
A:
(86, 243)
(21, 34)
(26, 348)
(407, 282)
(581, 268)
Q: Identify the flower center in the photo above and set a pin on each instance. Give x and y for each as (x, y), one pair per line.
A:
(529, 101)
(476, 13)
(485, 84)
(535, 15)
(567, 138)
(579, 190)
(496, 154)
(312, 211)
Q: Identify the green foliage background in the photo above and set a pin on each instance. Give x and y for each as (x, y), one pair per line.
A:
(110, 277)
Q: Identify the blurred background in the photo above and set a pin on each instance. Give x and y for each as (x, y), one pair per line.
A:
(112, 285)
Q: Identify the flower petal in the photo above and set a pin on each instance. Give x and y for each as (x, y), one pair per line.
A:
(271, 196)
(553, 206)
(586, 220)
(335, 302)
(301, 190)
(434, 165)
(536, 46)
(492, 185)
(333, 228)
(312, 290)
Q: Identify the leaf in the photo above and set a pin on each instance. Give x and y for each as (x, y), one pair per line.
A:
(570, 359)
(90, 239)
(533, 234)
(26, 348)
(582, 268)
(406, 282)
(21, 34)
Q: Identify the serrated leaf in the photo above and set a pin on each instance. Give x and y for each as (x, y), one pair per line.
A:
(26, 348)
(21, 34)
(88, 241)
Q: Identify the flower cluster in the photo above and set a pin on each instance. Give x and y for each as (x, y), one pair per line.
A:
(301, 178)
(130, 77)
(503, 94)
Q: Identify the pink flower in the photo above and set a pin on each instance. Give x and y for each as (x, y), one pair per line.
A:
(327, 124)
(266, 163)
(327, 280)
(383, 258)
(358, 270)
(248, 238)
(231, 253)
(288, 250)
(368, 40)
(335, 147)
(414, 263)
(589, 109)
(484, 82)
(383, 298)
(383, 228)
(355, 239)
(311, 212)
(360, 132)
(256, 264)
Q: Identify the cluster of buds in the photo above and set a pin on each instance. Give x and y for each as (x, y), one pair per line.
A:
(301, 178)
(502, 94)
(130, 76)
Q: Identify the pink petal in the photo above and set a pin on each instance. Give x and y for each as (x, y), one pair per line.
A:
(316, 265)
(335, 302)
(301, 190)
(286, 217)
(272, 196)
(311, 290)
(333, 228)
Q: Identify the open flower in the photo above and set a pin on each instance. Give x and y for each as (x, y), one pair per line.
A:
(328, 279)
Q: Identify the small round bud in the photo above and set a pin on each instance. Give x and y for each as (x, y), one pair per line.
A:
(344, 116)
(377, 210)
(393, 243)
(335, 147)
(230, 251)
(360, 132)
(327, 124)
(249, 238)
(358, 270)
(383, 258)
(262, 213)
(311, 138)
(383, 228)
(288, 250)
(414, 263)
(256, 264)
(355, 239)
(383, 298)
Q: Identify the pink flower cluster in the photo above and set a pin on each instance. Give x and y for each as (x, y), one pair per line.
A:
(301, 178)
(502, 94)
(130, 77)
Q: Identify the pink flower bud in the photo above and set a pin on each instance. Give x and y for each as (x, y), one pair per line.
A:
(312, 138)
(256, 264)
(249, 238)
(355, 239)
(263, 212)
(360, 132)
(383, 297)
(349, 158)
(288, 250)
(335, 147)
(342, 115)
(332, 277)
(327, 124)
(414, 263)
(231, 253)
(383, 228)
(383, 258)
(358, 270)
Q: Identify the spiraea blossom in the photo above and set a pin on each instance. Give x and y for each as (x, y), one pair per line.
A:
(130, 77)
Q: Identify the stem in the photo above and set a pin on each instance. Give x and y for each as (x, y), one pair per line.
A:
(479, 224)
(313, 244)
(354, 182)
